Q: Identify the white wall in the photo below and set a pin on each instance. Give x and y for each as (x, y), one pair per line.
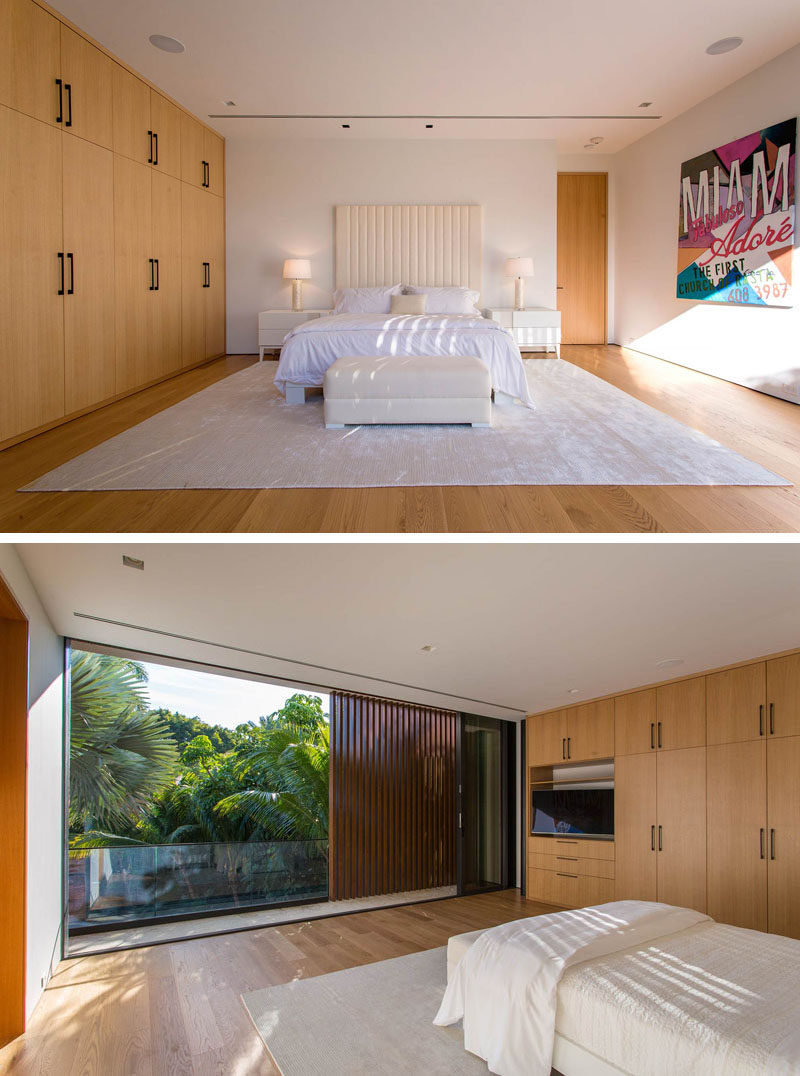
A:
(281, 194)
(590, 161)
(753, 346)
(44, 793)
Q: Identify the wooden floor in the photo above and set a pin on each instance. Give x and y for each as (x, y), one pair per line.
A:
(176, 1008)
(760, 427)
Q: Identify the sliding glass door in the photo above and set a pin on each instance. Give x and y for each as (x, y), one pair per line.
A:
(486, 816)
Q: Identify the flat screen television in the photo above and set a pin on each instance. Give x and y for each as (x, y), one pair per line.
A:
(587, 812)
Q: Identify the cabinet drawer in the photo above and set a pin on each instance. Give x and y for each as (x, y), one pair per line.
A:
(572, 864)
(571, 846)
(542, 885)
(576, 891)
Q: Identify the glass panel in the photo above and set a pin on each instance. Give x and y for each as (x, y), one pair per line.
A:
(482, 803)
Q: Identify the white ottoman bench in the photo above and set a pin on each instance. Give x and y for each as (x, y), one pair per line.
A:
(447, 388)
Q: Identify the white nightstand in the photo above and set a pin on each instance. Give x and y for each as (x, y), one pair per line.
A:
(273, 325)
(535, 327)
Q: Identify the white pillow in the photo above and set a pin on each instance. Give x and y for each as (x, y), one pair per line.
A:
(448, 300)
(364, 300)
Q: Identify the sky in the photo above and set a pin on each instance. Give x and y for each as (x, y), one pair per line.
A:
(217, 700)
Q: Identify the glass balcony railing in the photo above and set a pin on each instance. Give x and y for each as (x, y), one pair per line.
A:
(124, 885)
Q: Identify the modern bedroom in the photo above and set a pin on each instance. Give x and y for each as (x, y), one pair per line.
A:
(557, 833)
(280, 268)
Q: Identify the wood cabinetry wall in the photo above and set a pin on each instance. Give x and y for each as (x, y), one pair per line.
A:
(707, 793)
(112, 227)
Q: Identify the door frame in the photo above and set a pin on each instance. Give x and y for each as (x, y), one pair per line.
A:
(13, 811)
(590, 172)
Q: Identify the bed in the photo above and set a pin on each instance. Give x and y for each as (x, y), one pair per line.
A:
(436, 246)
(668, 991)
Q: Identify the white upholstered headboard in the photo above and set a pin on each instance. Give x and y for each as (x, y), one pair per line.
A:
(433, 245)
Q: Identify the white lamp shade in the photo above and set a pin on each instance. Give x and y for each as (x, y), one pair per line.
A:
(297, 269)
(519, 267)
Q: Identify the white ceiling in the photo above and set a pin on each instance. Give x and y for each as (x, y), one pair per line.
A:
(516, 626)
(442, 58)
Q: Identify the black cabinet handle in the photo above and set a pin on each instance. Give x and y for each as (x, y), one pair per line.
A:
(772, 844)
(152, 274)
(569, 747)
(659, 734)
(761, 720)
(761, 841)
(60, 116)
(155, 262)
(652, 838)
(207, 279)
(71, 288)
(772, 719)
(660, 847)
(150, 151)
(68, 88)
(563, 746)
(206, 176)
(652, 736)
(560, 874)
(61, 265)
(155, 140)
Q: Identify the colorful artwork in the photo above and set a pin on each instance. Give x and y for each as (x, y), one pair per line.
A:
(736, 220)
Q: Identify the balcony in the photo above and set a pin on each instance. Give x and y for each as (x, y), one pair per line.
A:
(147, 883)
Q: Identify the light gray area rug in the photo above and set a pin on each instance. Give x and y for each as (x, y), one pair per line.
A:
(376, 1020)
(240, 434)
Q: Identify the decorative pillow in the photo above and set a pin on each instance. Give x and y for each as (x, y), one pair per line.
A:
(364, 300)
(448, 300)
(408, 304)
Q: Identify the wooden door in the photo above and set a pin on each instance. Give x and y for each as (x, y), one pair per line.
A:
(13, 807)
(681, 714)
(166, 247)
(193, 300)
(783, 696)
(132, 273)
(89, 74)
(736, 829)
(30, 53)
(736, 704)
(89, 364)
(635, 722)
(214, 231)
(547, 739)
(681, 834)
(165, 122)
(131, 107)
(590, 731)
(783, 820)
(192, 151)
(214, 154)
(31, 310)
(582, 256)
(634, 827)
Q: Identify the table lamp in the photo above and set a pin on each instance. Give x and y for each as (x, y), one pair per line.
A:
(519, 268)
(297, 270)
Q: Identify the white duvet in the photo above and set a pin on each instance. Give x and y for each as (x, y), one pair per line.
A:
(505, 988)
(312, 347)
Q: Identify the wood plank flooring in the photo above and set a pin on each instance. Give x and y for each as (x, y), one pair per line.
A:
(760, 427)
(176, 1008)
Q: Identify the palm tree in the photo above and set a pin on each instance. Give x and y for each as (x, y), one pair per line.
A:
(121, 755)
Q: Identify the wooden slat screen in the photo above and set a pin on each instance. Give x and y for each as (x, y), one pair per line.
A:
(392, 796)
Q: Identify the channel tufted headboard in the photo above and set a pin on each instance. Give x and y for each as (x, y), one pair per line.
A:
(433, 245)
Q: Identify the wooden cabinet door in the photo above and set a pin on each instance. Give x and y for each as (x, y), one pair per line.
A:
(548, 739)
(131, 108)
(681, 834)
(590, 731)
(681, 714)
(132, 273)
(30, 59)
(581, 256)
(783, 820)
(31, 310)
(89, 74)
(783, 696)
(735, 704)
(192, 151)
(89, 366)
(165, 122)
(215, 293)
(635, 722)
(634, 827)
(736, 829)
(193, 301)
(214, 153)
(166, 247)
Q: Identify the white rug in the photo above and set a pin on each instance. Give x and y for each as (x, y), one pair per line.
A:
(240, 434)
(375, 1020)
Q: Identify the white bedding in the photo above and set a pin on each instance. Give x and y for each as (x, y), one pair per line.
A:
(312, 347)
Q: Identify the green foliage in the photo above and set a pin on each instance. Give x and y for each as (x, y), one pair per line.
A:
(199, 752)
(184, 729)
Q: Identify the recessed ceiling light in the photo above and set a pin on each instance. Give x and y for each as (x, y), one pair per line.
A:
(644, 104)
(574, 691)
(428, 648)
(669, 663)
(725, 44)
(166, 44)
(132, 562)
(596, 140)
(230, 104)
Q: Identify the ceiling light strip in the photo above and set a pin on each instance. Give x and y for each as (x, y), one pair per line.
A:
(350, 116)
(294, 661)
